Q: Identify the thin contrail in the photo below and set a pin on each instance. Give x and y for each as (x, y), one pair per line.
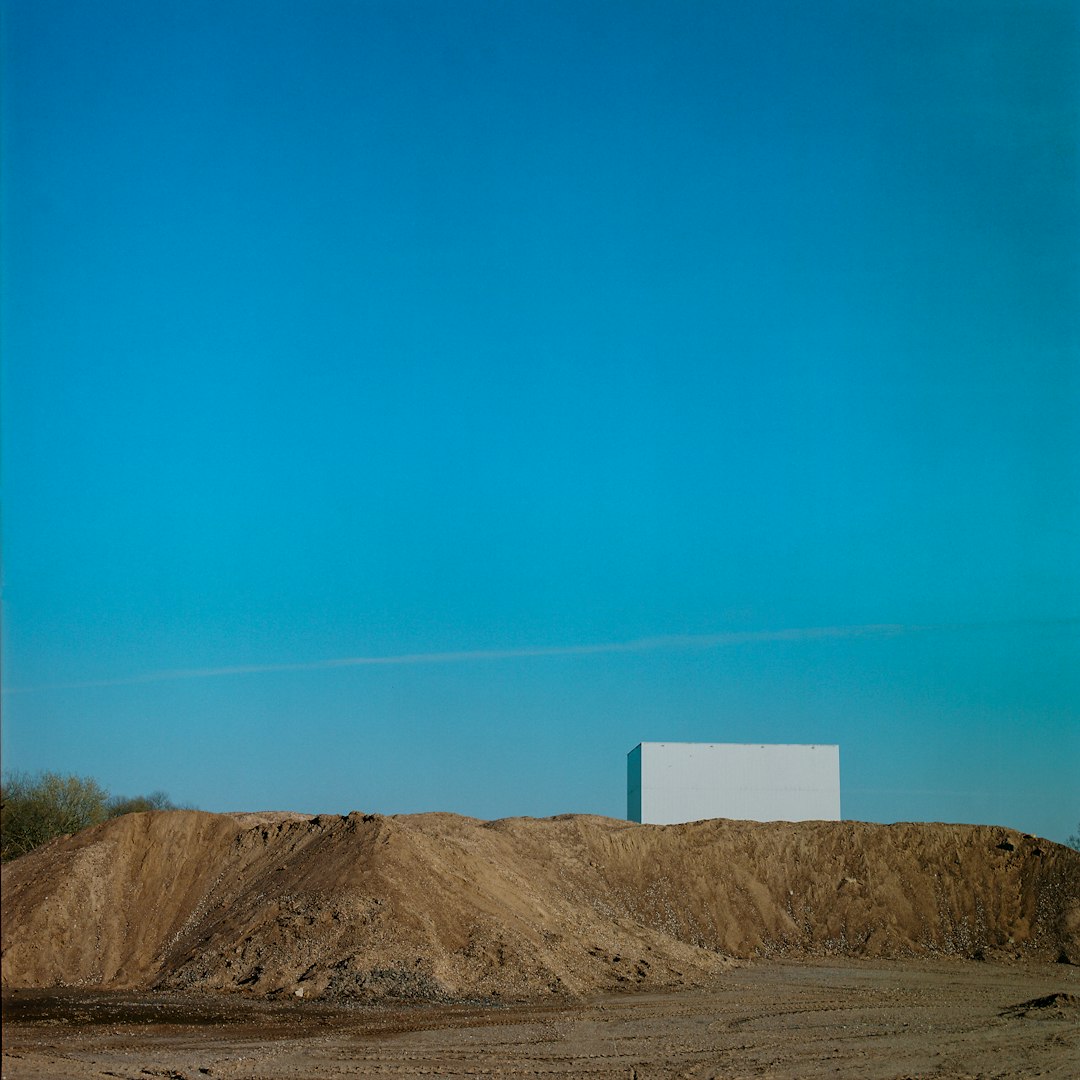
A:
(648, 644)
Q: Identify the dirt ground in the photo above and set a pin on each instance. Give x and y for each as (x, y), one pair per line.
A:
(443, 908)
(275, 946)
(869, 1018)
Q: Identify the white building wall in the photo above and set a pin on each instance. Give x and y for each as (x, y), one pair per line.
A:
(669, 783)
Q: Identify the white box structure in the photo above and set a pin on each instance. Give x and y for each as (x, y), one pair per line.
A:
(669, 783)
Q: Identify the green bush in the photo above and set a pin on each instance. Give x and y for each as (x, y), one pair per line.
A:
(35, 808)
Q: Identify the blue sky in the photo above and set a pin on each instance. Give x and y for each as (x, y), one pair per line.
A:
(605, 372)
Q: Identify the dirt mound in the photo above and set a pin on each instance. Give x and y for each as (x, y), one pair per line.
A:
(437, 906)
(1059, 1004)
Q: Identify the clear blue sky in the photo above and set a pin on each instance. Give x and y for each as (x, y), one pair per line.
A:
(614, 370)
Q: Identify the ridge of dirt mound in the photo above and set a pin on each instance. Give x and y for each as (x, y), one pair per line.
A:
(437, 906)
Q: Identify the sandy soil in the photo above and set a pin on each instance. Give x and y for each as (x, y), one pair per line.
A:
(873, 1019)
(189, 945)
(442, 908)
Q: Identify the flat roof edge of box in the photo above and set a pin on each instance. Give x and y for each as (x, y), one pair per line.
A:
(689, 742)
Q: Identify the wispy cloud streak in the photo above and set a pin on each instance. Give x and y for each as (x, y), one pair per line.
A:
(648, 644)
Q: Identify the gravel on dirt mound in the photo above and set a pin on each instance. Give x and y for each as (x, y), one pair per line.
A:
(440, 907)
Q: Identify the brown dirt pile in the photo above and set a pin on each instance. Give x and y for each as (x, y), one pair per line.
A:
(439, 906)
